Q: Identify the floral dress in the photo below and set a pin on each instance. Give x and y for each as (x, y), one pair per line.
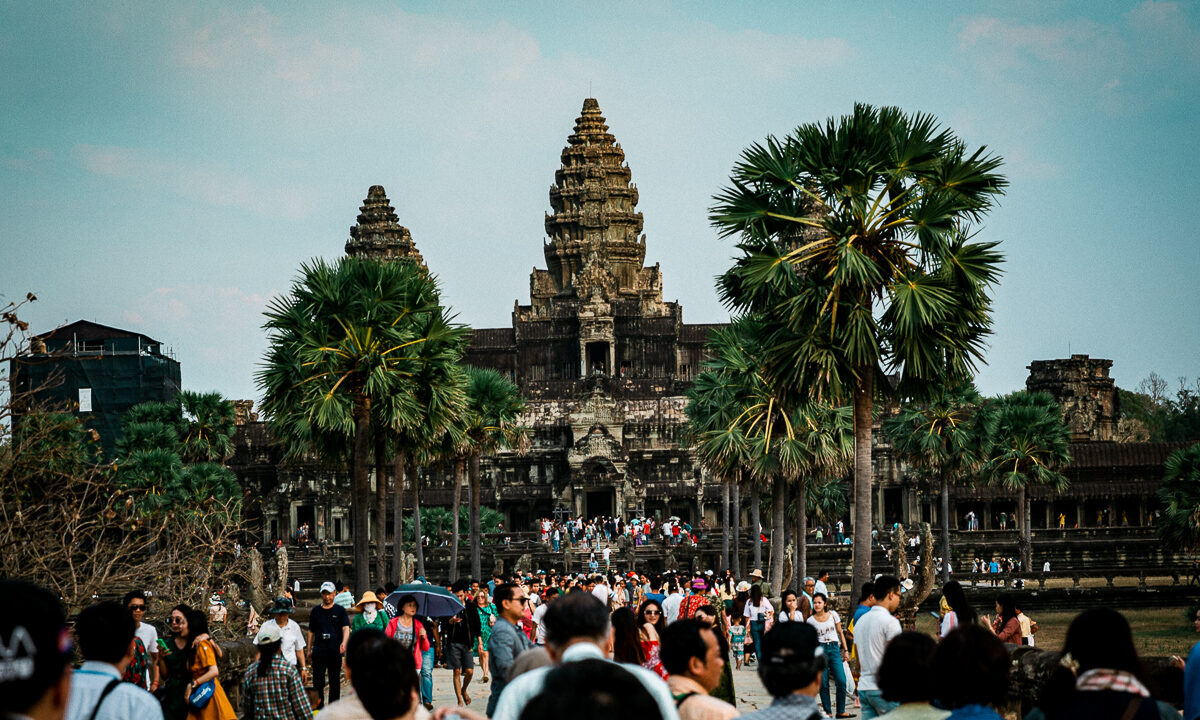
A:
(136, 672)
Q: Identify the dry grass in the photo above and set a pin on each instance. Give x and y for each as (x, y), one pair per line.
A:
(1156, 631)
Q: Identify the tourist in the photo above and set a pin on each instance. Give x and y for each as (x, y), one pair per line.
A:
(714, 617)
(291, 636)
(271, 688)
(699, 598)
(872, 631)
(577, 629)
(107, 636)
(829, 633)
(760, 582)
(384, 679)
(507, 641)
(960, 611)
(670, 606)
(758, 613)
(486, 612)
(202, 663)
(328, 632)
(590, 690)
(539, 615)
(147, 635)
(627, 645)
(807, 587)
(970, 670)
(791, 672)
(1005, 625)
(651, 626)
(345, 598)
(1029, 626)
(691, 655)
(737, 640)
(369, 613)
(411, 633)
(601, 591)
(788, 612)
(819, 586)
(460, 635)
(174, 658)
(904, 677)
(35, 669)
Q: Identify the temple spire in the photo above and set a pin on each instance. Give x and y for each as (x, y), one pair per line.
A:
(379, 234)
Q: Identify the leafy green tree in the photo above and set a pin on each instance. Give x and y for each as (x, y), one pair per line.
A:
(208, 427)
(938, 439)
(1027, 444)
(341, 342)
(1179, 526)
(856, 253)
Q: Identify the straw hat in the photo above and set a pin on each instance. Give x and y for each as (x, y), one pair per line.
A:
(368, 597)
(756, 573)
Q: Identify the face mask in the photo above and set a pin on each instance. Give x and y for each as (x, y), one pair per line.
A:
(369, 612)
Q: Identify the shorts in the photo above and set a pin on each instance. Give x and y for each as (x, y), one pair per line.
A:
(458, 657)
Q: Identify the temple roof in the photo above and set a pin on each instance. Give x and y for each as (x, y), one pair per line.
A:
(379, 234)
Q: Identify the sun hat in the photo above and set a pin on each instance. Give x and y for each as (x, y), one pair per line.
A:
(268, 634)
(756, 573)
(328, 587)
(699, 584)
(368, 597)
(743, 586)
(282, 605)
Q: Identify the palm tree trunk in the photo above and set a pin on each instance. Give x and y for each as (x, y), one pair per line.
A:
(864, 394)
(725, 525)
(416, 490)
(1026, 531)
(778, 534)
(398, 479)
(361, 493)
(737, 525)
(476, 539)
(460, 467)
(945, 512)
(381, 489)
(756, 524)
(801, 531)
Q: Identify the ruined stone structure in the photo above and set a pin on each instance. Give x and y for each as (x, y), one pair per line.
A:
(1087, 394)
(379, 234)
(602, 359)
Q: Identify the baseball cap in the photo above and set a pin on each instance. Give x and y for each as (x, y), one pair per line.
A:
(268, 634)
(328, 587)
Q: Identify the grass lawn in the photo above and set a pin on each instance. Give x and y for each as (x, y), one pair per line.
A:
(1156, 631)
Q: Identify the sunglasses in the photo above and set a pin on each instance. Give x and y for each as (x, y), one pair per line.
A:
(176, 621)
(521, 600)
(653, 612)
(137, 608)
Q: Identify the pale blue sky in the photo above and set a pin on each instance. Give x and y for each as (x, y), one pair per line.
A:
(166, 169)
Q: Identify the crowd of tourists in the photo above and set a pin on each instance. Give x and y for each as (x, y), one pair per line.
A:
(589, 647)
(579, 532)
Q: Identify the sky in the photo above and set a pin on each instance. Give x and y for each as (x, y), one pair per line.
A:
(166, 167)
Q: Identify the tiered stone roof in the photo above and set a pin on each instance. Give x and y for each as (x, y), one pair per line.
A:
(379, 234)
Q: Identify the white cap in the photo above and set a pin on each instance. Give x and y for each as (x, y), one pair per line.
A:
(328, 587)
(268, 634)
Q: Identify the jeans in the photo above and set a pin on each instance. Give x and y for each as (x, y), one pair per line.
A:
(873, 704)
(757, 627)
(833, 666)
(427, 662)
(327, 666)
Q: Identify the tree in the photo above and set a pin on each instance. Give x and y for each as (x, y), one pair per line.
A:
(342, 341)
(493, 407)
(207, 427)
(857, 254)
(1026, 445)
(939, 440)
(1179, 526)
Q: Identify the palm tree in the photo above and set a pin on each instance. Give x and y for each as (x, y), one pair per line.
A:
(1179, 526)
(1026, 445)
(493, 406)
(939, 440)
(208, 427)
(857, 257)
(341, 342)
(825, 435)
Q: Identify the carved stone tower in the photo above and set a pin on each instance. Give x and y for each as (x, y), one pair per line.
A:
(1087, 394)
(379, 234)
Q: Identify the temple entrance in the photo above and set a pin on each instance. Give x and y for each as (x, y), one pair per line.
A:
(597, 358)
(599, 503)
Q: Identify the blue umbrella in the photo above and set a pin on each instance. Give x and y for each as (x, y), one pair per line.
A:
(432, 600)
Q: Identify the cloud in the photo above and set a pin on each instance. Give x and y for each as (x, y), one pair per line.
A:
(31, 160)
(210, 183)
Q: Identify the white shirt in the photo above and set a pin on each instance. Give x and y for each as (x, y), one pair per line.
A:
(670, 607)
(819, 587)
(526, 686)
(871, 635)
(949, 622)
(292, 638)
(607, 553)
(826, 631)
(125, 701)
(540, 635)
(754, 612)
(601, 592)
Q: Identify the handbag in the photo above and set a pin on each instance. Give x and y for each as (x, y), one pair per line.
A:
(202, 695)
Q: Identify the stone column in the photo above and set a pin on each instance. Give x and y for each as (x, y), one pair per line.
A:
(987, 515)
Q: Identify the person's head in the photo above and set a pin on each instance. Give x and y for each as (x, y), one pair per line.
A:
(407, 605)
(328, 591)
(105, 633)
(510, 601)
(197, 623)
(269, 641)
(756, 594)
(1006, 607)
(461, 588)
(818, 602)
(957, 600)
(1101, 638)
(345, 586)
(591, 690)
(383, 674)
(178, 620)
(887, 592)
(481, 598)
(970, 667)
(576, 617)
(690, 648)
(626, 645)
(135, 603)
(823, 576)
(809, 585)
(788, 600)
(35, 677)
(792, 659)
(867, 596)
(903, 674)
(651, 612)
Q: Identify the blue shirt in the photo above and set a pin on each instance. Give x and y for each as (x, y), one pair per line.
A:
(125, 701)
(1191, 685)
(506, 642)
(974, 712)
(860, 611)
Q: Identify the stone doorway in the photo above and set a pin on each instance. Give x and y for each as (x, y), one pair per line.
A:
(599, 503)
(597, 358)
